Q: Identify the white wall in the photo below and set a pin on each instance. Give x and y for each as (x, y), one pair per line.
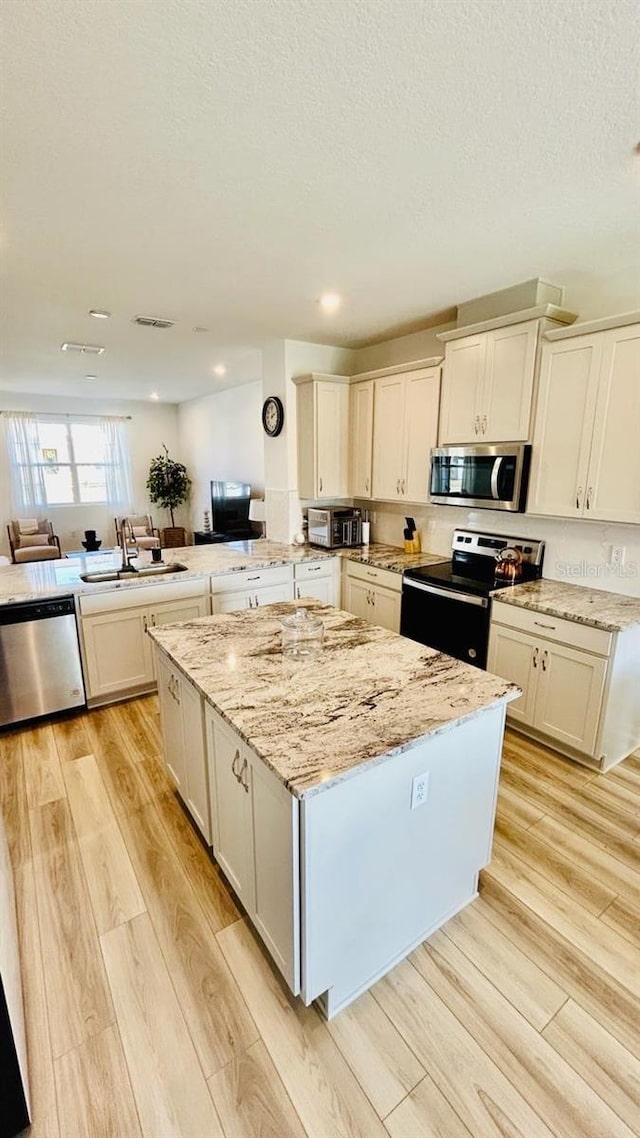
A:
(221, 436)
(151, 425)
(281, 361)
(416, 346)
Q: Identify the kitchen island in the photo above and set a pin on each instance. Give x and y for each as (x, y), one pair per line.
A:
(349, 800)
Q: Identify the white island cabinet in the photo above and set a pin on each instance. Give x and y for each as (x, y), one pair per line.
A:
(351, 815)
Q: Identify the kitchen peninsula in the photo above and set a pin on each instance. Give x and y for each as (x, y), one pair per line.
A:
(349, 800)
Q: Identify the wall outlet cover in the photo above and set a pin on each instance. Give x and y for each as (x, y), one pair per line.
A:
(419, 790)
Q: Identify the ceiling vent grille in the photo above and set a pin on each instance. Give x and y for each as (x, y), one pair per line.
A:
(82, 349)
(153, 322)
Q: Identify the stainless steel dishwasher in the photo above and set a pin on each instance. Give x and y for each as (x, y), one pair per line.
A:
(40, 669)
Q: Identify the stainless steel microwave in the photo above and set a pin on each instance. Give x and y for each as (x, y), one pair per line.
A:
(491, 477)
(335, 527)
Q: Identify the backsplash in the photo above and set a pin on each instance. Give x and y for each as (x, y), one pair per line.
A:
(577, 552)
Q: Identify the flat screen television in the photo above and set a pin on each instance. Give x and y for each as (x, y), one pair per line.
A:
(230, 509)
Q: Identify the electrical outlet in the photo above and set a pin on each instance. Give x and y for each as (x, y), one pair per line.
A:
(616, 556)
(419, 790)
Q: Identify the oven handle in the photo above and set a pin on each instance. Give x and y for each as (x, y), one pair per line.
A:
(464, 598)
(495, 474)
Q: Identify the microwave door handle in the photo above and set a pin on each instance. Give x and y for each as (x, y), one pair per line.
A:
(450, 594)
(495, 474)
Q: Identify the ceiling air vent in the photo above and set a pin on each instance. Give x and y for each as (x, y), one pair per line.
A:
(82, 349)
(153, 322)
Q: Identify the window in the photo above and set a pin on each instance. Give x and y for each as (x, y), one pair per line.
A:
(68, 460)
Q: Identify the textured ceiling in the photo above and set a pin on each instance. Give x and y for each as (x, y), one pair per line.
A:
(222, 162)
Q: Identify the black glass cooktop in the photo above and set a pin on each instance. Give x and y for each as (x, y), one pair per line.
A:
(451, 576)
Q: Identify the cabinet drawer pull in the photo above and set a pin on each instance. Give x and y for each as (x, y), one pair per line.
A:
(545, 657)
(541, 624)
(535, 657)
(370, 574)
(256, 578)
(314, 568)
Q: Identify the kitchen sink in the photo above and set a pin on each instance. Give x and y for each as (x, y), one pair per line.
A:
(127, 575)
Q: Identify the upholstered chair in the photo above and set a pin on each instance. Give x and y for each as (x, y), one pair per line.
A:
(32, 539)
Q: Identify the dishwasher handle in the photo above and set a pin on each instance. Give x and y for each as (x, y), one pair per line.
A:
(22, 612)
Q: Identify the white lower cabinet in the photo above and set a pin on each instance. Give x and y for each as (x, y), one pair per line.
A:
(317, 579)
(116, 650)
(232, 592)
(181, 713)
(577, 683)
(373, 594)
(256, 843)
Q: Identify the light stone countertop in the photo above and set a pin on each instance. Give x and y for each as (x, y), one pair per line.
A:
(613, 612)
(369, 695)
(390, 557)
(39, 579)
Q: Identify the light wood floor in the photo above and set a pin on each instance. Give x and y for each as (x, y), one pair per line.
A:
(152, 1010)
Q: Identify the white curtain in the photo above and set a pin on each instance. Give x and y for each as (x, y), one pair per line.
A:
(24, 448)
(119, 470)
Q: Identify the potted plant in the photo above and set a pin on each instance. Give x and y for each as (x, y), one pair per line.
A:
(168, 484)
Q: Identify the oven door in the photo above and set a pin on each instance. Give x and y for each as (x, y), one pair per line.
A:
(493, 477)
(451, 622)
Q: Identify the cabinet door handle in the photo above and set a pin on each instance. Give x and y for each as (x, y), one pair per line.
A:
(250, 600)
(578, 497)
(589, 493)
(476, 424)
(257, 601)
(545, 656)
(535, 657)
(541, 624)
(145, 623)
(176, 691)
(236, 759)
(245, 772)
(320, 485)
(366, 485)
(484, 424)
(298, 592)
(170, 685)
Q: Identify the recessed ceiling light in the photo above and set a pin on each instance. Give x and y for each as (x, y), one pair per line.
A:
(99, 313)
(90, 377)
(154, 395)
(330, 301)
(198, 328)
(220, 369)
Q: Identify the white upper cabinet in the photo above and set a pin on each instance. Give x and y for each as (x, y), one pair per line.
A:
(323, 436)
(404, 431)
(564, 422)
(586, 458)
(361, 410)
(388, 437)
(508, 388)
(487, 385)
(462, 380)
(614, 469)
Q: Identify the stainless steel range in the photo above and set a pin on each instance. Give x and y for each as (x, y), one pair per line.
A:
(448, 605)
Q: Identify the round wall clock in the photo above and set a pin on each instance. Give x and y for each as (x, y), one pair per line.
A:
(272, 415)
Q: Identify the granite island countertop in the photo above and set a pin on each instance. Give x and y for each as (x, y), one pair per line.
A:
(612, 612)
(38, 579)
(370, 694)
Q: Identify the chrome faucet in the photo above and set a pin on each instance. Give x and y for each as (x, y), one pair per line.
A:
(126, 566)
